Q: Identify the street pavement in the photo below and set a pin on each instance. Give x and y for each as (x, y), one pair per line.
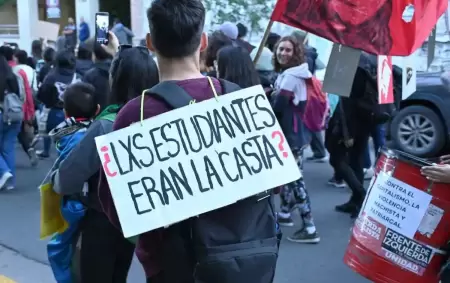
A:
(23, 255)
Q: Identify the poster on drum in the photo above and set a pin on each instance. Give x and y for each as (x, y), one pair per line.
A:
(390, 217)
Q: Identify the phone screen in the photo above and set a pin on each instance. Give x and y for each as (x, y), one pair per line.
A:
(101, 28)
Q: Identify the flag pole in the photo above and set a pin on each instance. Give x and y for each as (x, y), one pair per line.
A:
(263, 42)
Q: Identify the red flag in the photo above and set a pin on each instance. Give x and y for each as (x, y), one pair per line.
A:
(385, 85)
(382, 27)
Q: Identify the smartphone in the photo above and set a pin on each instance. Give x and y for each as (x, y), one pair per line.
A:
(102, 27)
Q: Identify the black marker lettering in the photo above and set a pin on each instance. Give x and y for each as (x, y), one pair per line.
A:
(211, 172)
(252, 114)
(240, 162)
(261, 153)
(149, 189)
(132, 160)
(170, 140)
(252, 154)
(180, 134)
(134, 197)
(167, 186)
(272, 154)
(185, 131)
(261, 108)
(156, 145)
(197, 177)
(142, 147)
(235, 120)
(220, 154)
(116, 158)
(239, 103)
(220, 124)
(180, 179)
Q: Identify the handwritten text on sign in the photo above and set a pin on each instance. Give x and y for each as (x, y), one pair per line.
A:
(195, 159)
(396, 204)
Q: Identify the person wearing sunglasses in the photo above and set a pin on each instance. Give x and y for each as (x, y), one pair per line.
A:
(105, 255)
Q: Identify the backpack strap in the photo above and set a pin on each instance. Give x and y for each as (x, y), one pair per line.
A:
(228, 87)
(171, 93)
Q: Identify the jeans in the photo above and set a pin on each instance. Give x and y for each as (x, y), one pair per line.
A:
(317, 145)
(379, 139)
(8, 135)
(348, 163)
(55, 117)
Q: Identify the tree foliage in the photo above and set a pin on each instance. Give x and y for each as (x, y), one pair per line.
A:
(248, 12)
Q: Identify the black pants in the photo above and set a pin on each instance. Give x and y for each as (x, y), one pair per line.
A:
(26, 136)
(348, 163)
(105, 255)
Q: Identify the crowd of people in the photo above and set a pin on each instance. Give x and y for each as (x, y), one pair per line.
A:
(68, 98)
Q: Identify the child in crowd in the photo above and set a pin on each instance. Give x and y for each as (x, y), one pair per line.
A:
(80, 108)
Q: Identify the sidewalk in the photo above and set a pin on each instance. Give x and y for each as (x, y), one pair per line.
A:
(15, 268)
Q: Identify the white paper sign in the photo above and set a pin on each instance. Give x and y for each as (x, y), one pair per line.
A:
(397, 205)
(409, 76)
(195, 159)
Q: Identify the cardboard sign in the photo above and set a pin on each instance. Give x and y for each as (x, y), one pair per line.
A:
(195, 159)
(392, 213)
(409, 76)
(341, 70)
(385, 80)
(47, 30)
(382, 27)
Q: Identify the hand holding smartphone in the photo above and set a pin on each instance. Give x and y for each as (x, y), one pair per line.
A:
(102, 28)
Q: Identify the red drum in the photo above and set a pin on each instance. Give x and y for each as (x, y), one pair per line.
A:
(403, 224)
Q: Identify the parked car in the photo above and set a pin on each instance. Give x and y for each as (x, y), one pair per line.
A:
(421, 126)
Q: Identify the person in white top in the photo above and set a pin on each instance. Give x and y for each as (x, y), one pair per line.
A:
(26, 134)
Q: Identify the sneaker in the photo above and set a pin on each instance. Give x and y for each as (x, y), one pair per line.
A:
(33, 157)
(347, 207)
(285, 221)
(368, 173)
(41, 154)
(337, 184)
(317, 159)
(302, 236)
(5, 178)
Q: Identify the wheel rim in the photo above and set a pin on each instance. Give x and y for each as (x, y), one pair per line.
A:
(417, 133)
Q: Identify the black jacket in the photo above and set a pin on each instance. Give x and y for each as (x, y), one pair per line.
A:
(83, 66)
(98, 76)
(54, 85)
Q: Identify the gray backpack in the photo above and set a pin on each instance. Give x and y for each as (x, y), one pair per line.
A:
(12, 108)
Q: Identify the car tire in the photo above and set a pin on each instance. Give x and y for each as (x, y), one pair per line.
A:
(428, 119)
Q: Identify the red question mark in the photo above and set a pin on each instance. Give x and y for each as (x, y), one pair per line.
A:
(107, 161)
(280, 144)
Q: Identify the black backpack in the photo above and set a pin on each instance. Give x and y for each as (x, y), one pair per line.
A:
(233, 244)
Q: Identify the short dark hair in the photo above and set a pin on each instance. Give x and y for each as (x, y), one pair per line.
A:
(217, 40)
(49, 54)
(100, 53)
(84, 52)
(21, 56)
(242, 30)
(272, 39)
(79, 100)
(65, 59)
(176, 26)
(7, 52)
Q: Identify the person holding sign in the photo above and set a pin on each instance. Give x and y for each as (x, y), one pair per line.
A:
(204, 248)
(105, 255)
(290, 99)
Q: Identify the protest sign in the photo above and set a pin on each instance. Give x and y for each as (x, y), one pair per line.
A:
(409, 76)
(382, 27)
(195, 159)
(391, 215)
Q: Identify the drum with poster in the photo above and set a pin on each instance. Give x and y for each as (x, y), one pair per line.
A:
(403, 226)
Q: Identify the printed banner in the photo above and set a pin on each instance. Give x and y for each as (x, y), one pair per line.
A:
(195, 159)
(382, 27)
(385, 80)
(391, 216)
